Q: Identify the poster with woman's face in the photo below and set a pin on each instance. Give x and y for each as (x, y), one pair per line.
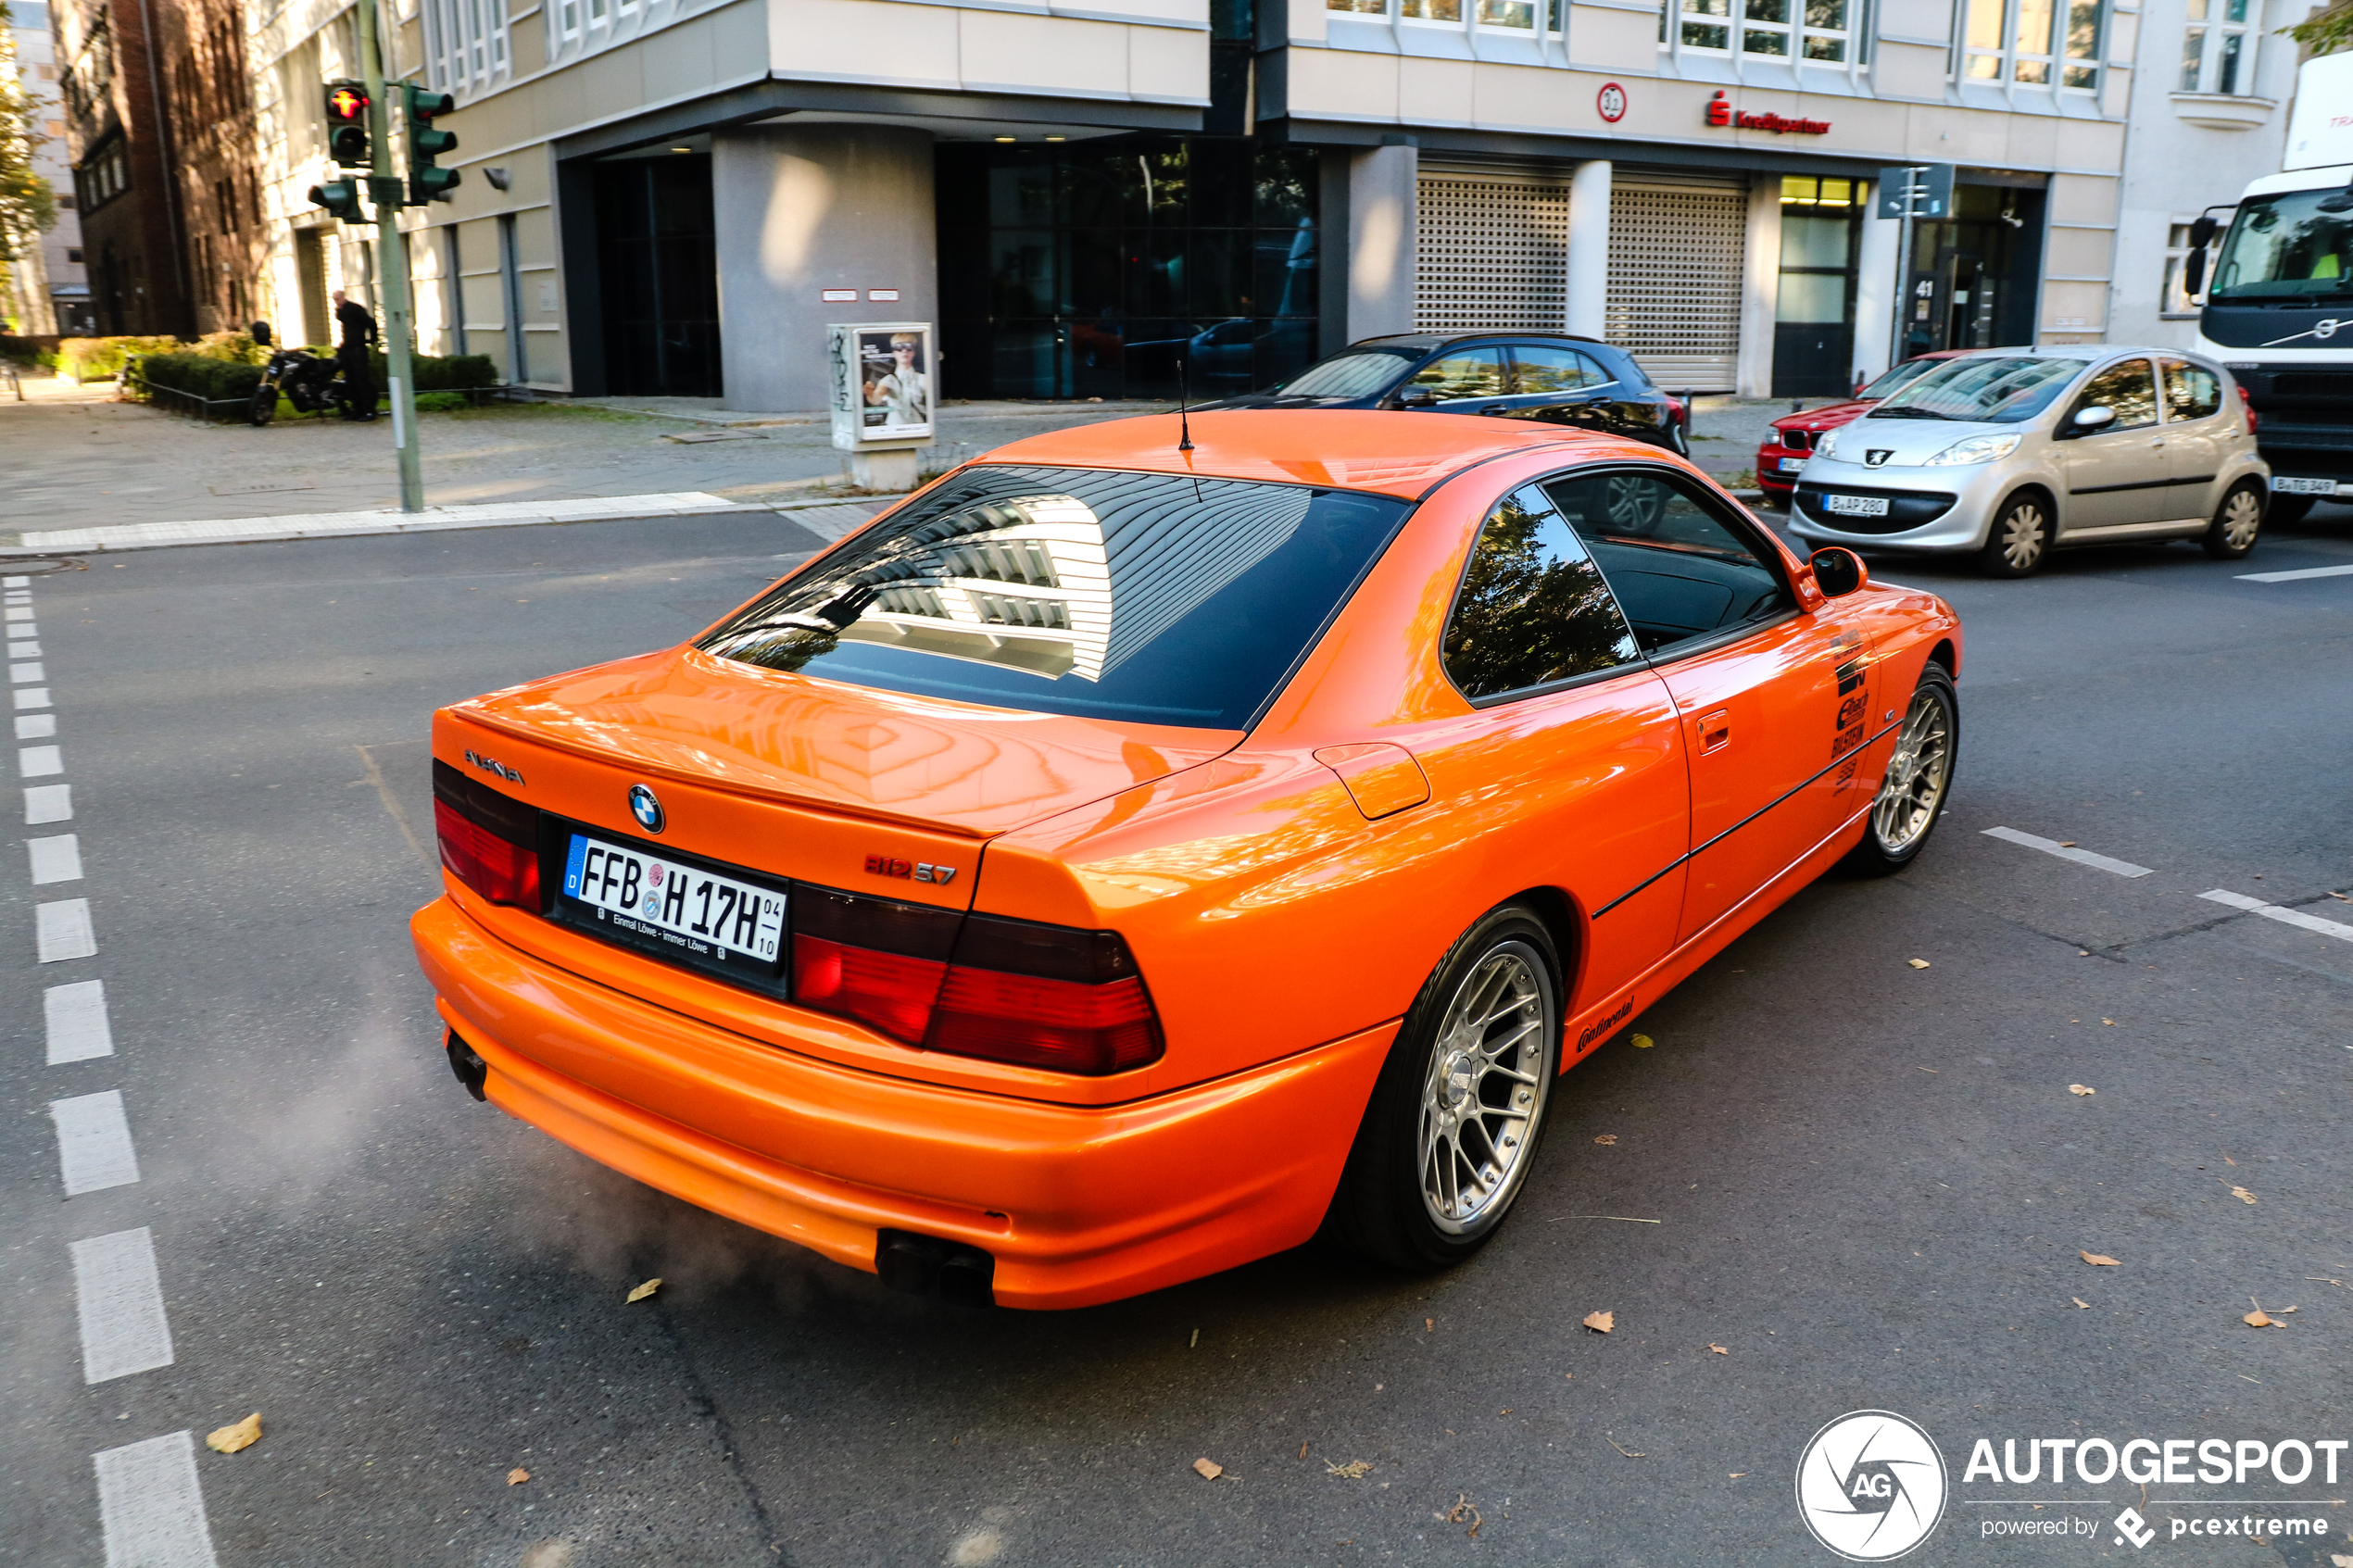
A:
(894, 371)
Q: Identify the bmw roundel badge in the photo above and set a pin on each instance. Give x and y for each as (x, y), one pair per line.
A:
(644, 807)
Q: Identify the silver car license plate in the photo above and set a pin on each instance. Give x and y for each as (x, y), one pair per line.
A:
(1790, 465)
(2287, 486)
(1856, 505)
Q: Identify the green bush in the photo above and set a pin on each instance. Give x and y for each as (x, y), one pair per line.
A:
(442, 402)
(200, 375)
(437, 372)
(99, 358)
(237, 348)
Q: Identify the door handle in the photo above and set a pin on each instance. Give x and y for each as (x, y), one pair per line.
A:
(1715, 732)
(2157, 441)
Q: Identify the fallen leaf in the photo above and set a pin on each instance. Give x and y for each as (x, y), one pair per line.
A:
(1738, 1473)
(1601, 1323)
(2102, 1261)
(1302, 1450)
(1429, 1325)
(645, 1290)
(2228, 1160)
(2258, 1319)
(1507, 1410)
(1210, 1469)
(2066, 844)
(2343, 900)
(2341, 1560)
(518, 1475)
(1606, 1138)
(1919, 963)
(1644, 1042)
(1719, 1349)
(2243, 1195)
(2109, 1021)
(1464, 1511)
(229, 1439)
(2285, 1310)
(2080, 1303)
(2082, 1089)
(1355, 1469)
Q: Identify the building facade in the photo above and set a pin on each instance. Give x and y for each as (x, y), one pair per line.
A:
(51, 294)
(119, 133)
(2210, 115)
(1093, 198)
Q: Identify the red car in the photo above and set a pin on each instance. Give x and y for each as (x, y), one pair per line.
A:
(1794, 435)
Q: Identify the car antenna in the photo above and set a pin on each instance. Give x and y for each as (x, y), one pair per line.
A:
(1183, 424)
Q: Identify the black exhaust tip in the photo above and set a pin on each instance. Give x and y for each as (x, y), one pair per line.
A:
(467, 1064)
(925, 1265)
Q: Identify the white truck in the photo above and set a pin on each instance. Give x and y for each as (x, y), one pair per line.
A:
(2279, 306)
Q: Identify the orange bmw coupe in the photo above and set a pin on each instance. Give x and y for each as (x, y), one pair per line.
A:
(1127, 858)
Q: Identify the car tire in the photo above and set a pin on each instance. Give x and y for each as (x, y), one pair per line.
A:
(1918, 781)
(2020, 540)
(262, 407)
(1423, 1213)
(2287, 510)
(2236, 522)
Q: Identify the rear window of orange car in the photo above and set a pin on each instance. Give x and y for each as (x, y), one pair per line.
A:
(1151, 598)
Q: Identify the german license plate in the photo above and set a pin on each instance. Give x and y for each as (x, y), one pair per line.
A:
(1790, 465)
(1856, 505)
(2287, 486)
(684, 910)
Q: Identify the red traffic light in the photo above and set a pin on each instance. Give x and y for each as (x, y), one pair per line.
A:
(346, 103)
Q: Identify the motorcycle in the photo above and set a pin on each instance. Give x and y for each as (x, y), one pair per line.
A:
(311, 383)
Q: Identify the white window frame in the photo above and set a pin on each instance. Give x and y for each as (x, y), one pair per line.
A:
(467, 47)
(2049, 59)
(1679, 19)
(2212, 41)
(1547, 19)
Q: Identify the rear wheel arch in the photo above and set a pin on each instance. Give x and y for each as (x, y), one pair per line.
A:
(1566, 924)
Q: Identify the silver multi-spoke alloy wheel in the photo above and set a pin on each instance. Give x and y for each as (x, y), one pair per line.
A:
(1484, 1090)
(2241, 519)
(1917, 775)
(2022, 535)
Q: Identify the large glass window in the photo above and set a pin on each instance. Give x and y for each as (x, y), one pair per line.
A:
(465, 44)
(1817, 249)
(2218, 47)
(2127, 387)
(1511, 18)
(2287, 247)
(1678, 571)
(1814, 29)
(2004, 389)
(1533, 610)
(2033, 43)
(1096, 269)
(2192, 392)
(1143, 597)
(1478, 373)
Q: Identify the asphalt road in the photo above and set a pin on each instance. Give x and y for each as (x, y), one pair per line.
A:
(1870, 1180)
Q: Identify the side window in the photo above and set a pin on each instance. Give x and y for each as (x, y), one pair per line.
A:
(1478, 373)
(1532, 609)
(2192, 392)
(1553, 369)
(1680, 571)
(2127, 387)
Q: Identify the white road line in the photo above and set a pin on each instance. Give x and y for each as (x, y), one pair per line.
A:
(48, 803)
(63, 929)
(33, 726)
(324, 525)
(33, 697)
(18, 582)
(76, 1017)
(18, 674)
(57, 858)
(2295, 576)
(2068, 852)
(152, 1505)
(40, 761)
(17, 612)
(2337, 929)
(120, 1301)
(24, 650)
(94, 1151)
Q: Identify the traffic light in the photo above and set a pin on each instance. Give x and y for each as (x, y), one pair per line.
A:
(340, 197)
(348, 123)
(427, 183)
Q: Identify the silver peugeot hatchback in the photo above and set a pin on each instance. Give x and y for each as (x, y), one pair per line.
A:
(2010, 453)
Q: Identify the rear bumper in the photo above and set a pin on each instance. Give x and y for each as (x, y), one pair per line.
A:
(1077, 1205)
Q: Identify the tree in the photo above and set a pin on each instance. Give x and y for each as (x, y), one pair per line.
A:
(28, 208)
(2324, 32)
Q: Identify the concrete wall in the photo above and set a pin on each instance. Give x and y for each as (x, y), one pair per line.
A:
(804, 210)
(1382, 197)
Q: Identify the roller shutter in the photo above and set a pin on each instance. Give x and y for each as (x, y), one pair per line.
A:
(1676, 243)
(1491, 248)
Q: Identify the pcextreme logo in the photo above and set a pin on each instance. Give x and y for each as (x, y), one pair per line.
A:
(1870, 1486)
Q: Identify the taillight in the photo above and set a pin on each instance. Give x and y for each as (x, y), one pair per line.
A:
(978, 985)
(2247, 403)
(489, 842)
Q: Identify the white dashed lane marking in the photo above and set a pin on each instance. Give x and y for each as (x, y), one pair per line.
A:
(94, 1151)
(22, 675)
(76, 1016)
(2068, 852)
(2295, 576)
(2337, 929)
(33, 697)
(33, 726)
(41, 761)
(57, 858)
(120, 1301)
(24, 650)
(153, 1506)
(64, 930)
(48, 803)
(17, 612)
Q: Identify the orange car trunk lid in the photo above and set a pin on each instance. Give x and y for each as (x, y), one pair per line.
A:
(799, 777)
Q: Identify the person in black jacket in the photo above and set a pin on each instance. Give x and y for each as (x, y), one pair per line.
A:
(359, 332)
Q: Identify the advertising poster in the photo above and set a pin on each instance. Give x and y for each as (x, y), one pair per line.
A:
(882, 383)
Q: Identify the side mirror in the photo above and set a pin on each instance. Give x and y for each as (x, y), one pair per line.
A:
(2202, 231)
(1417, 397)
(2099, 415)
(1838, 570)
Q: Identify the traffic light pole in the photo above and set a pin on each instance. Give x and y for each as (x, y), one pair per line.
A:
(392, 265)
